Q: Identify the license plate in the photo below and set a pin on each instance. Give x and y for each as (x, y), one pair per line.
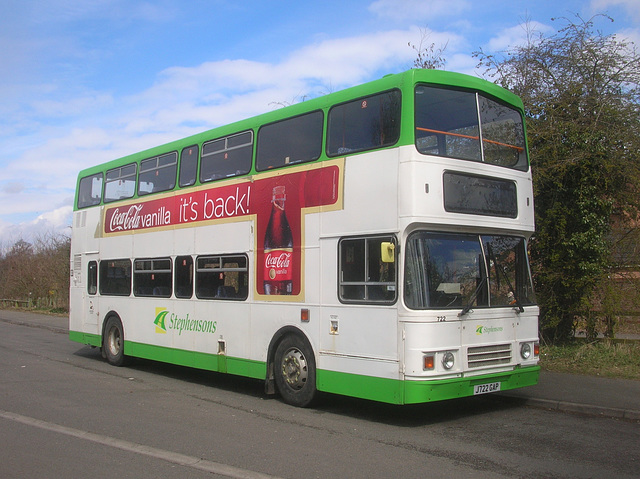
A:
(486, 388)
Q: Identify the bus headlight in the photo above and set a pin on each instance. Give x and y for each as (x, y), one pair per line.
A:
(525, 351)
(448, 360)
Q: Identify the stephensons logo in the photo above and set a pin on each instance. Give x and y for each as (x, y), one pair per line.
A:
(488, 329)
(168, 321)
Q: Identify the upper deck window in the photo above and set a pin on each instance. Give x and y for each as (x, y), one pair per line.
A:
(226, 157)
(90, 190)
(364, 124)
(188, 166)
(294, 140)
(466, 125)
(158, 174)
(120, 183)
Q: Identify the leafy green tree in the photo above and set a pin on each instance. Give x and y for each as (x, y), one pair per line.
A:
(581, 91)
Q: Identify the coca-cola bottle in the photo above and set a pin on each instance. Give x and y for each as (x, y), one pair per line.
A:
(278, 248)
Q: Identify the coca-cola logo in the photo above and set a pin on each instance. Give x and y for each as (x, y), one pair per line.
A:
(125, 220)
(137, 217)
(279, 261)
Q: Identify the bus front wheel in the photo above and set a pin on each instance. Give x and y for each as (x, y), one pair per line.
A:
(295, 372)
(113, 342)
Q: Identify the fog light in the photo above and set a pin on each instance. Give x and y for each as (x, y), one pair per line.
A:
(525, 350)
(448, 360)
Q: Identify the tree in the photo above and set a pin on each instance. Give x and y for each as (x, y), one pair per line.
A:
(38, 271)
(581, 91)
(429, 57)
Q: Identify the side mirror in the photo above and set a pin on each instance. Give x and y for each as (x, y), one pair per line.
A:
(387, 252)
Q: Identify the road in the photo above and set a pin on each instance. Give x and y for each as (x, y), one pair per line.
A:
(64, 412)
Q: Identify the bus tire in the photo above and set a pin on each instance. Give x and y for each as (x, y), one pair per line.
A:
(295, 371)
(113, 342)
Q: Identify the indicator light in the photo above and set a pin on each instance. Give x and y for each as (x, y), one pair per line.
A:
(428, 362)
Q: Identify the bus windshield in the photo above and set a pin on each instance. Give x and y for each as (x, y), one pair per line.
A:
(469, 126)
(460, 271)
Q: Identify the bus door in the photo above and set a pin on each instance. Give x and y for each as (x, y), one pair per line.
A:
(90, 299)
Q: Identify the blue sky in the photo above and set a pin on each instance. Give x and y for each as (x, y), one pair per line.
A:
(84, 82)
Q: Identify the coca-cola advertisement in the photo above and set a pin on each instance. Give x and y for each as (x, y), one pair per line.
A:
(278, 247)
(278, 201)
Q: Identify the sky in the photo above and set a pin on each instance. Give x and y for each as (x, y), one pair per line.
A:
(85, 82)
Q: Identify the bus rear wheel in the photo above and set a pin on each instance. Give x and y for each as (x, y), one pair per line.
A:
(113, 342)
(295, 372)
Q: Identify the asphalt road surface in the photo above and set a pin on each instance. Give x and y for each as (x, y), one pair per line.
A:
(64, 412)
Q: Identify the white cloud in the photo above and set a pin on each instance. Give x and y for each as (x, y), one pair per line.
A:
(630, 6)
(71, 107)
(56, 222)
(56, 219)
(346, 61)
(95, 127)
(517, 35)
(215, 93)
(12, 187)
(630, 35)
(462, 63)
(92, 126)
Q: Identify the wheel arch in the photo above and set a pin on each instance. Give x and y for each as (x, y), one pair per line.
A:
(277, 338)
(105, 320)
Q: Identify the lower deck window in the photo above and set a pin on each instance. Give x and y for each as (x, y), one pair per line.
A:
(115, 277)
(92, 277)
(152, 277)
(184, 277)
(222, 277)
(364, 276)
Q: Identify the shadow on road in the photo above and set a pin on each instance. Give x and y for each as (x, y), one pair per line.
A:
(415, 415)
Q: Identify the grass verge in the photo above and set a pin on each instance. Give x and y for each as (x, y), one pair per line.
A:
(602, 358)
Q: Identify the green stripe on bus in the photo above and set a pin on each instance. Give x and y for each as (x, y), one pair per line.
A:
(419, 391)
(426, 391)
(194, 359)
(393, 391)
(86, 338)
(364, 387)
(210, 362)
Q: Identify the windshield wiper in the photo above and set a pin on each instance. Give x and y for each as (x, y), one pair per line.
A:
(512, 296)
(473, 297)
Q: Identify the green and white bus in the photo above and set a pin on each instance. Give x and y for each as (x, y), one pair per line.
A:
(370, 243)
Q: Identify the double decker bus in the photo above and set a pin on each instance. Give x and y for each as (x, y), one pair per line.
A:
(370, 243)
